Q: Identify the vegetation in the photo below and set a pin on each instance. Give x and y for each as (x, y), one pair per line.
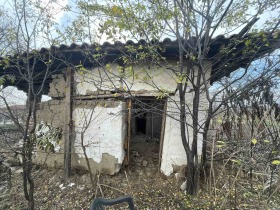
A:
(26, 24)
(242, 105)
(195, 24)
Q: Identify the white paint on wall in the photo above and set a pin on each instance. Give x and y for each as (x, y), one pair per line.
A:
(103, 131)
(96, 79)
(138, 78)
(173, 152)
(151, 78)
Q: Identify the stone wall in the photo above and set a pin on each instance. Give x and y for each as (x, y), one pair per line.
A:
(52, 112)
(57, 86)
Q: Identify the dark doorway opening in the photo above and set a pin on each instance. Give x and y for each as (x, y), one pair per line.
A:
(140, 123)
(146, 125)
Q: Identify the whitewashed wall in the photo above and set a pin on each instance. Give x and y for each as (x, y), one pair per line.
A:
(107, 135)
(104, 132)
(173, 153)
(144, 78)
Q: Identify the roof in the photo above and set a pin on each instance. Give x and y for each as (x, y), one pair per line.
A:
(240, 51)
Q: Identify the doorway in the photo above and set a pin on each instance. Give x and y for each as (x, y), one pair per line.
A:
(147, 122)
(140, 122)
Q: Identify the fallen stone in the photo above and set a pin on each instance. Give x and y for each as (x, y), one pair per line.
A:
(152, 165)
(19, 171)
(184, 186)
(144, 163)
(2, 187)
(81, 187)
(6, 164)
(141, 173)
(71, 184)
(138, 160)
(138, 164)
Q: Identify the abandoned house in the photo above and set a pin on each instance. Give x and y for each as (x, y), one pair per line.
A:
(108, 108)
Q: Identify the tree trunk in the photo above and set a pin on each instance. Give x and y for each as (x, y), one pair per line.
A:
(191, 169)
(192, 175)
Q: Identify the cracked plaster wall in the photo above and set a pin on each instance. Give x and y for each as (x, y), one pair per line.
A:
(57, 86)
(52, 112)
(173, 152)
(102, 129)
(153, 79)
(104, 138)
(144, 78)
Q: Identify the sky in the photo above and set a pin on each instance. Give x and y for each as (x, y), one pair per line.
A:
(63, 18)
(18, 97)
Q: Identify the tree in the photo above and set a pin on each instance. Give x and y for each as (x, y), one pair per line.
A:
(27, 26)
(195, 25)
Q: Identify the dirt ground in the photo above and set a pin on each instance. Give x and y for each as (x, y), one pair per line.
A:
(51, 192)
(149, 191)
(141, 180)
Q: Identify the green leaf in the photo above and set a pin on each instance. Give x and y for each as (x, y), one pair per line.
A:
(220, 144)
(265, 141)
(108, 67)
(254, 141)
(247, 42)
(236, 161)
(219, 120)
(275, 35)
(276, 162)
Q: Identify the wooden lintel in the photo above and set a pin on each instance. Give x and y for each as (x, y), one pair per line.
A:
(88, 97)
(120, 95)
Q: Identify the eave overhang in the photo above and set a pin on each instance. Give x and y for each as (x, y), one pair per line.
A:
(227, 54)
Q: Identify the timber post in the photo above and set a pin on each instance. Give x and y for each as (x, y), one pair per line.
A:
(68, 130)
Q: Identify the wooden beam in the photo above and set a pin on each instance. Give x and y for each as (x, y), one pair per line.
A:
(68, 129)
(162, 134)
(128, 136)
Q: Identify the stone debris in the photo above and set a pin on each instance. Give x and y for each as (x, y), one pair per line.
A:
(71, 184)
(61, 186)
(184, 186)
(19, 171)
(144, 163)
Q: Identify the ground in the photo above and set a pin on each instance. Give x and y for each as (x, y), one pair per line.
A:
(141, 180)
(148, 192)
(226, 186)
(51, 192)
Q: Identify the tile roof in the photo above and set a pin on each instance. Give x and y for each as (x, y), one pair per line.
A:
(55, 59)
